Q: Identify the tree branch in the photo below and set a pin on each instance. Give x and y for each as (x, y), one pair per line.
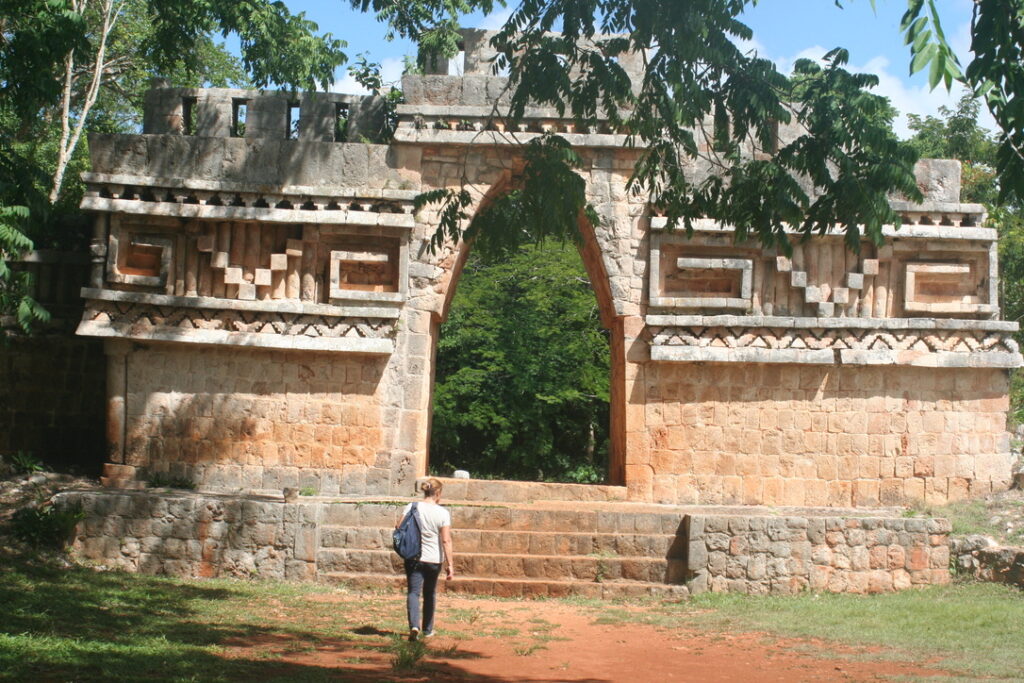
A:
(69, 140)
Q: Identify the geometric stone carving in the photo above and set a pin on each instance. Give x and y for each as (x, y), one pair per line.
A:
(141, 259)
(268, 329)
(840, 295)
(943, 288)
(368, 271)
(859, 346)
(707, 282)
(813, 294)
(365, 269)
(234, 274)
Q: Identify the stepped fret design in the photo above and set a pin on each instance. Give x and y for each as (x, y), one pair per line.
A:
(959, 341)
(141, 317)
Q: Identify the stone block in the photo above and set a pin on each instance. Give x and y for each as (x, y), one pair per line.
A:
(938, 179)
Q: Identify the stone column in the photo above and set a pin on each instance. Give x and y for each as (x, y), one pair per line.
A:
(117, 389)
(98, 251)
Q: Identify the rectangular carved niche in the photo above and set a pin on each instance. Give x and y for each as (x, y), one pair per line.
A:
(139, 255)
(365, 268)
(691, 277)
(944, 288)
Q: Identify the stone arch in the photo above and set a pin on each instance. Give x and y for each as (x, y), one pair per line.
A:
(593, 262)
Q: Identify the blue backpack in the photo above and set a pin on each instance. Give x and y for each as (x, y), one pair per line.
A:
(406, 538)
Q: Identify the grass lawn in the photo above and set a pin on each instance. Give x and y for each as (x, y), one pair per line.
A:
(78, 624)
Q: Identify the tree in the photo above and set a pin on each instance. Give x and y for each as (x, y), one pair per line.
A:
(67, 43)
(699, 97)
(523, 370)
(694, 72)
(62, 62)
(996, 73)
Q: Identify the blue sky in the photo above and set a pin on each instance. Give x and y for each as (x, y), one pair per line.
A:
(784, 30)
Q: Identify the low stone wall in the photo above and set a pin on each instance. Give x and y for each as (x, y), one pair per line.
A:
(747, 554)
(976, 556)
(198, 535)
(207, 535)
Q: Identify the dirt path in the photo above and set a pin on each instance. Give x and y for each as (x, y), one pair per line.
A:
(487, 640)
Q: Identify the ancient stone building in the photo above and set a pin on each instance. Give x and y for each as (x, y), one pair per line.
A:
(271, 311)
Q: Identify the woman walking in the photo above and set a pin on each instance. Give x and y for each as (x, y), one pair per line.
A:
(435, 551)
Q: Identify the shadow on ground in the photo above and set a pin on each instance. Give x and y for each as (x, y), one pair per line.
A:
(75, 623)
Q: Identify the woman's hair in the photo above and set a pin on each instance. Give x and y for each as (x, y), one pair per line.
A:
(431, 487)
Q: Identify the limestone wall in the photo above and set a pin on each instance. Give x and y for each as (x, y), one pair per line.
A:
(257, 419)
(515, 550)
(192, 536)
(747, 554)
(891, 376)
(817, 436)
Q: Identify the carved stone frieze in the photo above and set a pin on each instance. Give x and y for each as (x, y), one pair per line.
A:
(272, 329)
(855, 346)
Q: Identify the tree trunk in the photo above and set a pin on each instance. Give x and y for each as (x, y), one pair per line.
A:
(69, 137)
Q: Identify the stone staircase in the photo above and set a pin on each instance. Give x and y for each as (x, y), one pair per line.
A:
(519, 550)
(536, 548)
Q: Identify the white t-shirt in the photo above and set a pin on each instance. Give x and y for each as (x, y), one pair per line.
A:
(432, 518)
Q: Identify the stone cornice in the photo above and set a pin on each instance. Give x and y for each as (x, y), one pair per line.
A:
(299, 331)
(815, 341)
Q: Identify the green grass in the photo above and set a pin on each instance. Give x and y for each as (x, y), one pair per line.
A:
(976, 517)
(83, 625)
(973, 627)
(80, 624)
(407, 656)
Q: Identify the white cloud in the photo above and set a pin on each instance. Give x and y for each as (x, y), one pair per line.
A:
(390, 71)
(914, 99)
(908, 98)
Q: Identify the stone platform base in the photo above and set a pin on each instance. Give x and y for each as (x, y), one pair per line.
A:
(599, 549)
(262, 481)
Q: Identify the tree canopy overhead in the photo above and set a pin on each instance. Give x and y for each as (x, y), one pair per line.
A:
(694, 72)
(68, 66)
(996, 72)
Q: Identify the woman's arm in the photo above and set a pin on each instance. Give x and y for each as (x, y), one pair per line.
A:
(449, 553)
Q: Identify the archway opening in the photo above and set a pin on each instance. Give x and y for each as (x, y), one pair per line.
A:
(522, 373)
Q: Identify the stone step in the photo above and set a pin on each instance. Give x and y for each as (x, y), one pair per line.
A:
(516, 588)
(120, 483)
(517, 542)
(526, 491)
(115, 471)
(120, 477)
(571, 518)
(489, 565)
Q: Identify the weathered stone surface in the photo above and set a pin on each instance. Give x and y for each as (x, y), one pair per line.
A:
(846, 559)
(313, 540)
(741, 376)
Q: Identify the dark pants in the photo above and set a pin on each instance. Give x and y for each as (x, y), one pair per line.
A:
(421, 578)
